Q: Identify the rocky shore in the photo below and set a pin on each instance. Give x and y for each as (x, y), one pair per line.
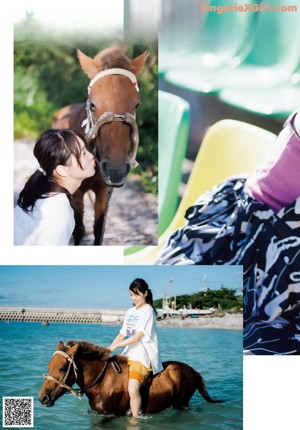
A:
(226, 321)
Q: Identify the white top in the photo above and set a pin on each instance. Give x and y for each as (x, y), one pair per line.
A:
(145, 351)
(50, 223)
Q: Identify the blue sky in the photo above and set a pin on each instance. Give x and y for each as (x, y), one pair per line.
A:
(105, 286)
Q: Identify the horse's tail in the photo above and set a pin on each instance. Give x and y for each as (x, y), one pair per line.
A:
(203, 391)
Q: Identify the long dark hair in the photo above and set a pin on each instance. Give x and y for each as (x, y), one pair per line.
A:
(53, 148)
(140, 286)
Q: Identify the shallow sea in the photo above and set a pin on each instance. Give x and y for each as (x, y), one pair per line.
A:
(26, 348)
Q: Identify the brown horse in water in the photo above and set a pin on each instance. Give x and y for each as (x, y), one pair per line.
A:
(109, 124)
(104, 380)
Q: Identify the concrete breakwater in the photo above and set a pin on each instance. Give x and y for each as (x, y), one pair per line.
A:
(47, 315)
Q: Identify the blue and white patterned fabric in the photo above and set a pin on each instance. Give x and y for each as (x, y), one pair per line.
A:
(226, 226)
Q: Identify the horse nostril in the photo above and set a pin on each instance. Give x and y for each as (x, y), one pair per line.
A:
(44, 399)
(127, 168)
(103, 165)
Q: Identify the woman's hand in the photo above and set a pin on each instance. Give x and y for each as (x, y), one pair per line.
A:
(120, 343)
(115, 344)
(112, 347)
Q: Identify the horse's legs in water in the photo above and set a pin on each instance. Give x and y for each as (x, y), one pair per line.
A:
(100, 214)
(79, 229)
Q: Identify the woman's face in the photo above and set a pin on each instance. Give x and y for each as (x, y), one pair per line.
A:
(87, 160)
(139, 299)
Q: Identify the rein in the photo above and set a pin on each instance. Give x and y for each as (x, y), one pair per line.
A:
(79, 393)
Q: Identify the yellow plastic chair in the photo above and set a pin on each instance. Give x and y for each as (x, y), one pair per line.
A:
(229, 147)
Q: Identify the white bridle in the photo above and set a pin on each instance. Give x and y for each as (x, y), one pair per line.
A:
(114, 71)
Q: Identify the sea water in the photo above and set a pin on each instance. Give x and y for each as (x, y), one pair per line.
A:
(26, 348)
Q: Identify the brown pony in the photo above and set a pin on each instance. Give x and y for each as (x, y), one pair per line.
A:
(108, 122)
(104, 380)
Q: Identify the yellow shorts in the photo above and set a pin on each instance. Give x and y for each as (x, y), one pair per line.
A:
(138, 371)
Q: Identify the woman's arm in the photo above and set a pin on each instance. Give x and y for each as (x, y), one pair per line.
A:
(119, 342)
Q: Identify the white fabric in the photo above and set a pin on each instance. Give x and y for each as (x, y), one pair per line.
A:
(145, 351)
(50, 223)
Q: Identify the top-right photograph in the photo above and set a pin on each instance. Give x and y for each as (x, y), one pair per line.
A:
(229, 154)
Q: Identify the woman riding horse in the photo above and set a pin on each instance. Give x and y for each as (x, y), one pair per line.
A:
(141, 344)
(104, 380)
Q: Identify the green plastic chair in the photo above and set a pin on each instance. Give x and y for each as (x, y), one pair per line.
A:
(274, 56)
(279, 101)
(173, 131)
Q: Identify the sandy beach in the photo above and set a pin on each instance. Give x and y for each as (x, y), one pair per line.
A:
(227, 321)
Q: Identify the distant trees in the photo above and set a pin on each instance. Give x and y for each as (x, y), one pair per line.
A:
(224, 298)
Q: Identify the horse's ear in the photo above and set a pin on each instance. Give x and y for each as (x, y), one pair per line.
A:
(60, 346)
(138, 62)
(73, 349)
(89, 66)
(71, 343)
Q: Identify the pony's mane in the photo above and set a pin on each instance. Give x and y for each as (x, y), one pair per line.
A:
(111, 58)
(91, 351)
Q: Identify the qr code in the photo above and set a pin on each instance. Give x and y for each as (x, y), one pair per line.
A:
(17, 412)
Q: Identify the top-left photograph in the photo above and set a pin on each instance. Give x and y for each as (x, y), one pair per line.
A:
(85, 129)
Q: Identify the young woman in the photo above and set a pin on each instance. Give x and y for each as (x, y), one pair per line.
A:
(138, 336)
(45, 211)
(254, 222)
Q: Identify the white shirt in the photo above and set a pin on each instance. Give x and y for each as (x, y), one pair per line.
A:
(145, 351)
(50, 223)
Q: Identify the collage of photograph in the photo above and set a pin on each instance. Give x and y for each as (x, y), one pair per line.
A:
(151, 215)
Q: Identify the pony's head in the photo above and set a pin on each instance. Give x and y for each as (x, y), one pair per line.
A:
(113, 97)
(62, 374)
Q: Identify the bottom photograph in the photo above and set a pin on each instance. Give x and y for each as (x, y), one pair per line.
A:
(137, 347)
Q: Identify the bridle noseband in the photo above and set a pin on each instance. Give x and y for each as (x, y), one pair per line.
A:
(76, 392)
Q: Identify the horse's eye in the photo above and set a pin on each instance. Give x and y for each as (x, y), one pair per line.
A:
(63, 369)
(139, 104)
(92, 107)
